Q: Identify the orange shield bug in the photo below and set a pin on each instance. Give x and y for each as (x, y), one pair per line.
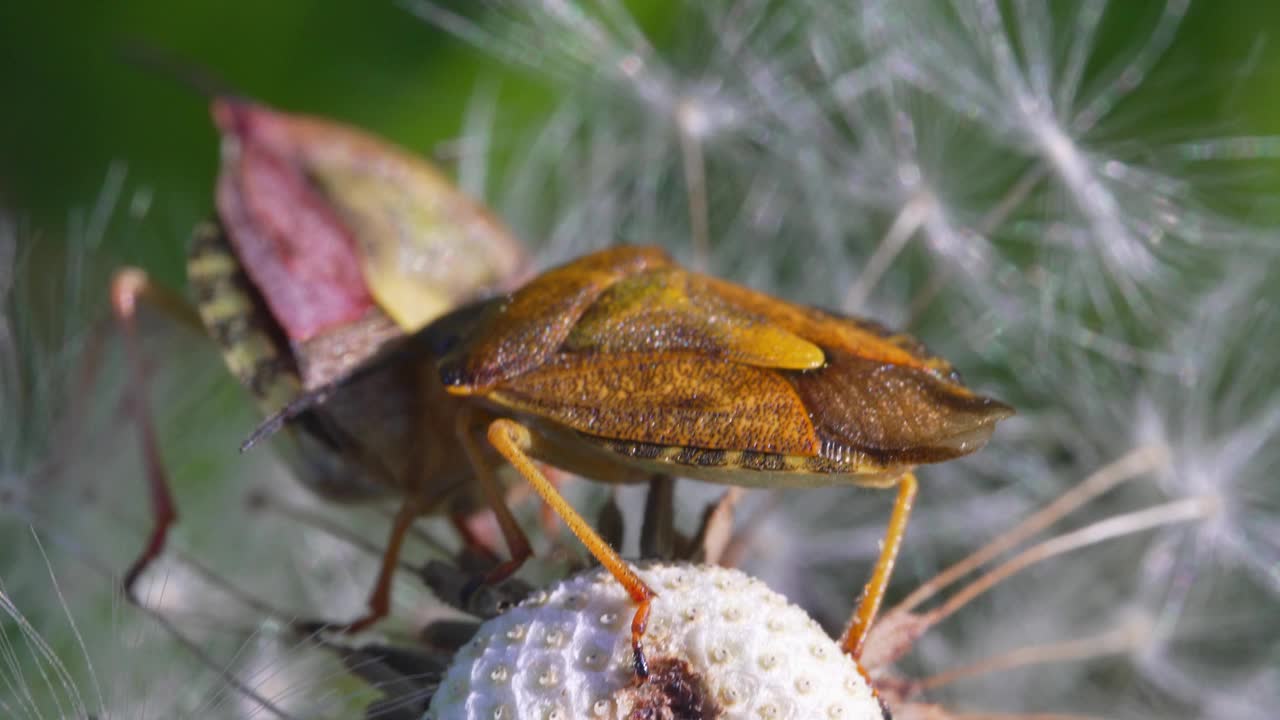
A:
(621, 364)
(329, 246)
(624, 363)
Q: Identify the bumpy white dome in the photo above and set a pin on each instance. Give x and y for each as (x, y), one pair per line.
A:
(720, 644)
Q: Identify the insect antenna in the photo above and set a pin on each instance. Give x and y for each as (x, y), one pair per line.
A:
(408, 349)
(295, 408)
(152, 58)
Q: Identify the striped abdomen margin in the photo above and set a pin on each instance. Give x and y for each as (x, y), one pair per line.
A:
(834, 459)
(236, 318)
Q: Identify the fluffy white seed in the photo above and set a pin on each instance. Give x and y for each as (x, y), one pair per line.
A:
(740, 649)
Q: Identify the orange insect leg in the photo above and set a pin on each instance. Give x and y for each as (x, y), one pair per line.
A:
(872, 595)
(513, 440)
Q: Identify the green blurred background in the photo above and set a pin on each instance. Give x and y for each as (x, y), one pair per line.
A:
(72, 107)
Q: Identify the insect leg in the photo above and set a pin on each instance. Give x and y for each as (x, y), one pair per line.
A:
(131, 285)
(863, 618)
(471, 537)
(547, 520)
(513, 441)
(517, 541)
(658, 533)
(128, 287)
(380, 598)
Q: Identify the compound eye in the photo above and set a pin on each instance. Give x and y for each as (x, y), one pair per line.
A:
(450, 337)
(448, 331)
(444, 342)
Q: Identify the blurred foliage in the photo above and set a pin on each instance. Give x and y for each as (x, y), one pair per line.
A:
(74, 105)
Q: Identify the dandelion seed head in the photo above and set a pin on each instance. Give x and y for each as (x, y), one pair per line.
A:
(1220, 430)
(1120, 221)
(748, 653)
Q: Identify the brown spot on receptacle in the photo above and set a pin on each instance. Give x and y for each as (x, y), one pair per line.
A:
(673, 691)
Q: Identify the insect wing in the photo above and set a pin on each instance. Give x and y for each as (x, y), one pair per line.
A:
(425, 246)
(669, 310)
(893, 414)
(421, 244)
(352, 241)
(293, 246)
(856, 336)
(529, 327)
(646, 352)
(667, 399)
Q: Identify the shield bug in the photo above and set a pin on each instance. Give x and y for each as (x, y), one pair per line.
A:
(329, 246)
(621, 365)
